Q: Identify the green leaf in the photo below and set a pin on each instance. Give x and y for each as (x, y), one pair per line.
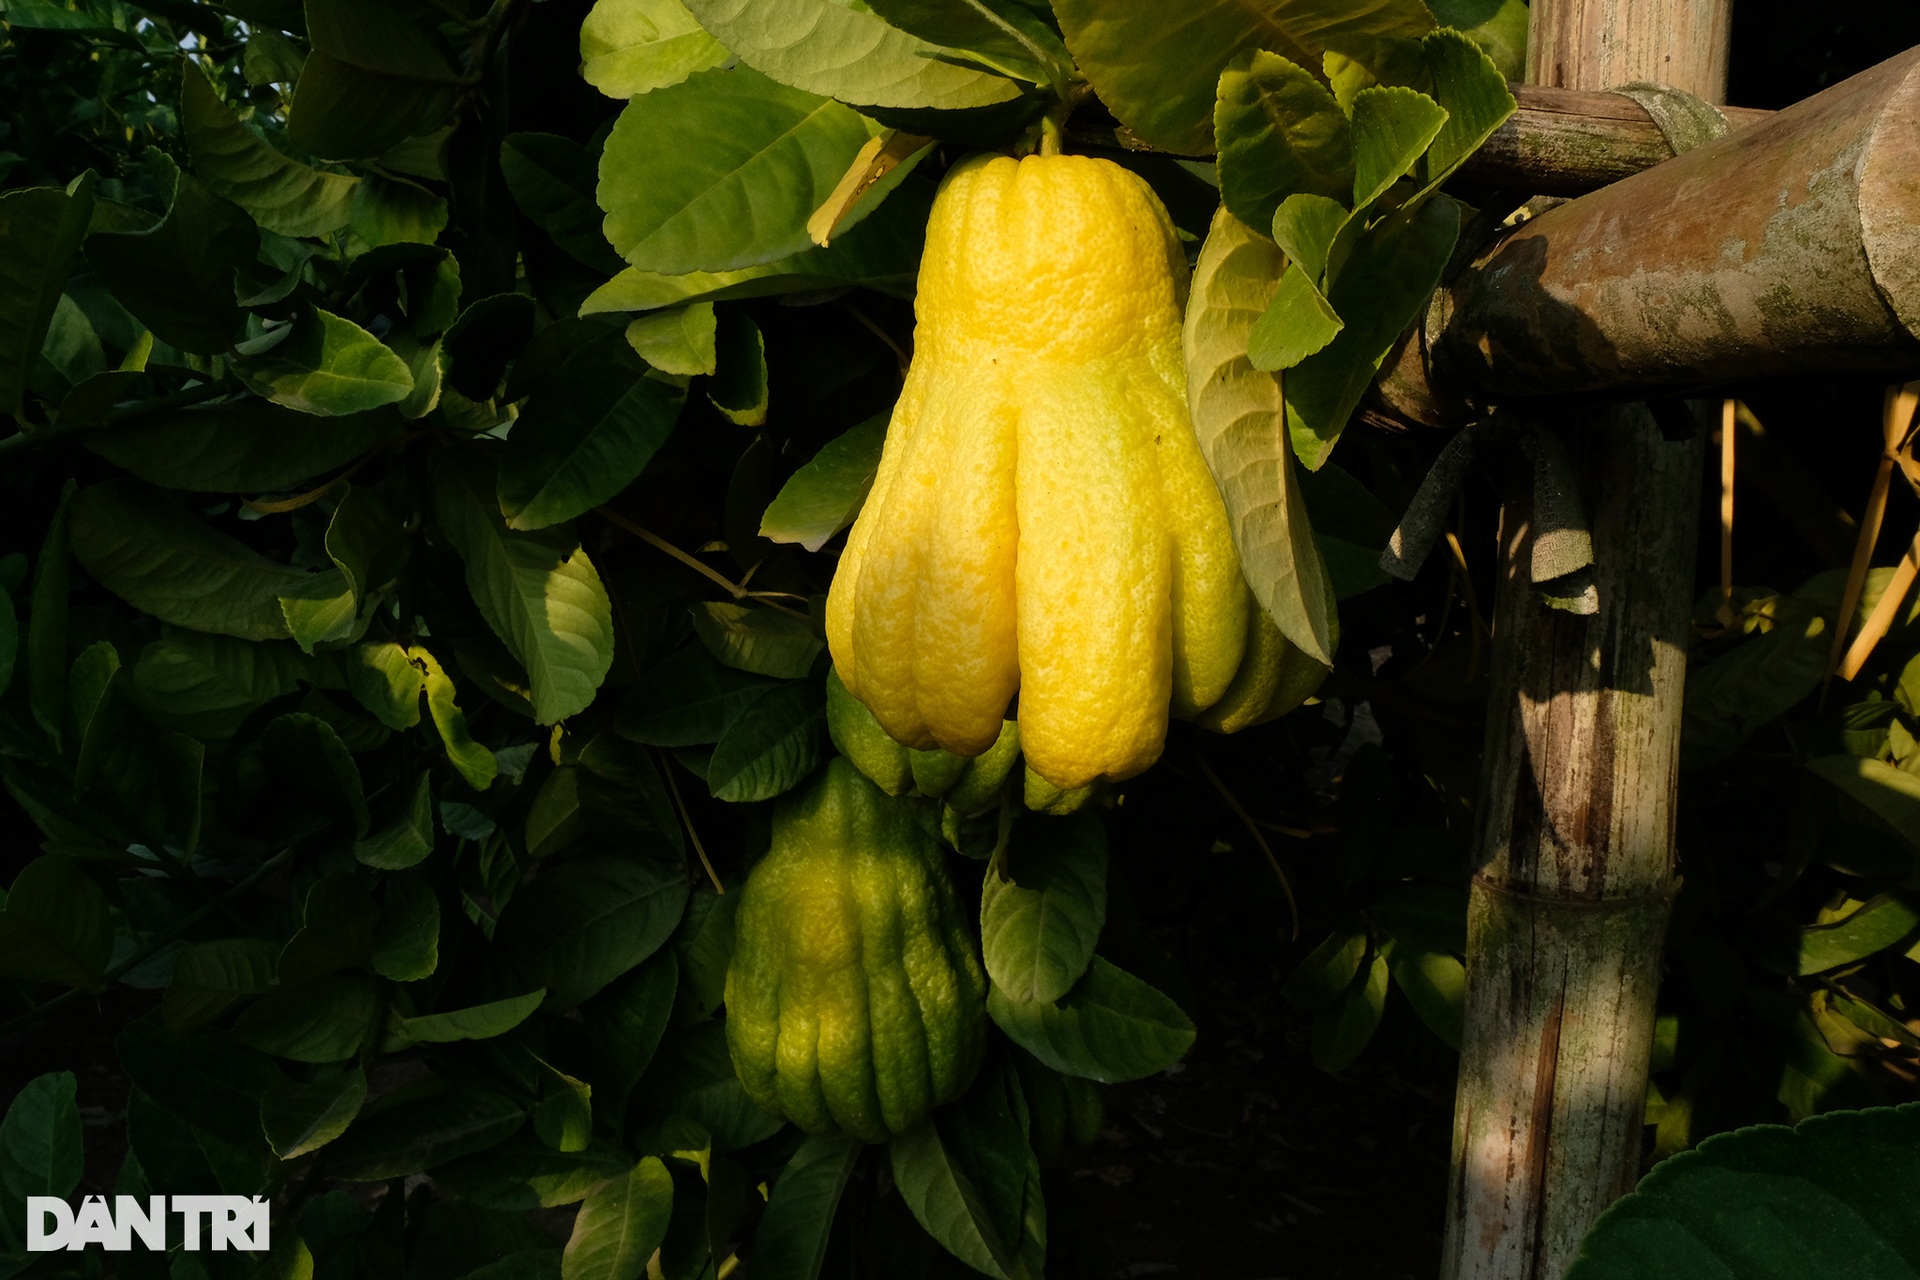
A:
(692, 1084)
(790, 1243)
(159, 558)
(624, 1024)
(584, 921)
(771, 745)
(205, 1079)
(585, 435)
(386, 682)
(1434, 983)
(1890, 794)
(40, 1145)
(409, 839)
(9, 640)
(1305, 227)
(329, 366)
(1382, 287)
(47, 621)
(395, 211)
(1111, 1026)
(1499, 27)
(1156, 66)
(1297, 323)
(177, 277)
(316, 769)
(55, 926)
(1281, 134)
(40, 233)
(241, 446)
(1474, 94)
(89, 693)
(1239, 420)
(1392, 128)
(1341, 1030)
(480, 1022)
(406, 945)
(739, 386)
(687, 700)
(209, 976)
(563, 1118)
(552, 180)
(848, 53)
(1830, 1196)
(971, 1205)
(319, 610)
(1042, 911)
(750, 160)
(679, 340)
(1881, 922)
(622, 1222)
(883, 253)
(523, 1174)
(207, 685)
(374, 77)
(538, 591)
(321, 1020)
(299, 1118)
(271, 58)
(398, 1141)
(283, 195)
(824, 496)
(629, 47)
(1733, 694)
(1006, 36)
(474, 763)
(171, 1152)
(757, 640)
(1327, 971)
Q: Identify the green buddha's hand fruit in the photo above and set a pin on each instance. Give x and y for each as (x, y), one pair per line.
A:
(1042, 522)
(855, 1002)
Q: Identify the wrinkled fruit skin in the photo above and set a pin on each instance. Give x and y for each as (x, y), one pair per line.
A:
(1042, 521)
(855, 1002)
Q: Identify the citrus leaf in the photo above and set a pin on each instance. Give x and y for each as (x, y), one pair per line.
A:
(552, 180)
(1041, 914)
(406, 945)
(771, 745)
(375, 76)
(327, 365)
(283, 195)
(40, 1141)
(1392, 128)
(824, 496)
(480, 1022)
(687, 700)
(302, 1117)
(241, 446)
(538, 591)
(40, 233)
(847, 52)
(1239, 421)
(1156, 66)
(55, 926)
(790, 1243)
(474, 763)
(177, 277)
(1003, 35)
(1341, 1029)
(679, 340)
(584, 921)
(409, 839)
(1298, 322)
(209, 976)
(750, 161)
(207, 685)
(585, 435)
(757, 640)
(399, 1141)
(1434, 983)
(622, 1222)
(630, 47)
(321, 1020)
(1111, 1026)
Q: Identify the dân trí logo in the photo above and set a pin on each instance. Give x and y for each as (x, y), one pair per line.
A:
(206, 1222)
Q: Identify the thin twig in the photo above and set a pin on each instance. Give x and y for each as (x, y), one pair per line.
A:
(1233, 802)
(1896, 417)
(733, 588)
(153, 944)
(899, 352)
(686, 820)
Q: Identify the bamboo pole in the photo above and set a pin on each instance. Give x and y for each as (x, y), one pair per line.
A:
(1574, 851)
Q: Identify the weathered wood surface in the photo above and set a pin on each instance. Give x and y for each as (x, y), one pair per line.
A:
(1574, 838)
(1567, 142)
(1788, 246)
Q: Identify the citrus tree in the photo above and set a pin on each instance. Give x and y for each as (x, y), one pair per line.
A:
(479, 649)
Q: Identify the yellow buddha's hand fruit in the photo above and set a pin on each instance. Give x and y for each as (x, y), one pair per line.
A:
(855, 1002)
(1043, 522)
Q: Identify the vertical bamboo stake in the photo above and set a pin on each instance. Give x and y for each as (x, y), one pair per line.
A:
(1575, 870)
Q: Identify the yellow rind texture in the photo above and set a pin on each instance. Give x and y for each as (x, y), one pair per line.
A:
(1043, 522)
(855, 1003)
